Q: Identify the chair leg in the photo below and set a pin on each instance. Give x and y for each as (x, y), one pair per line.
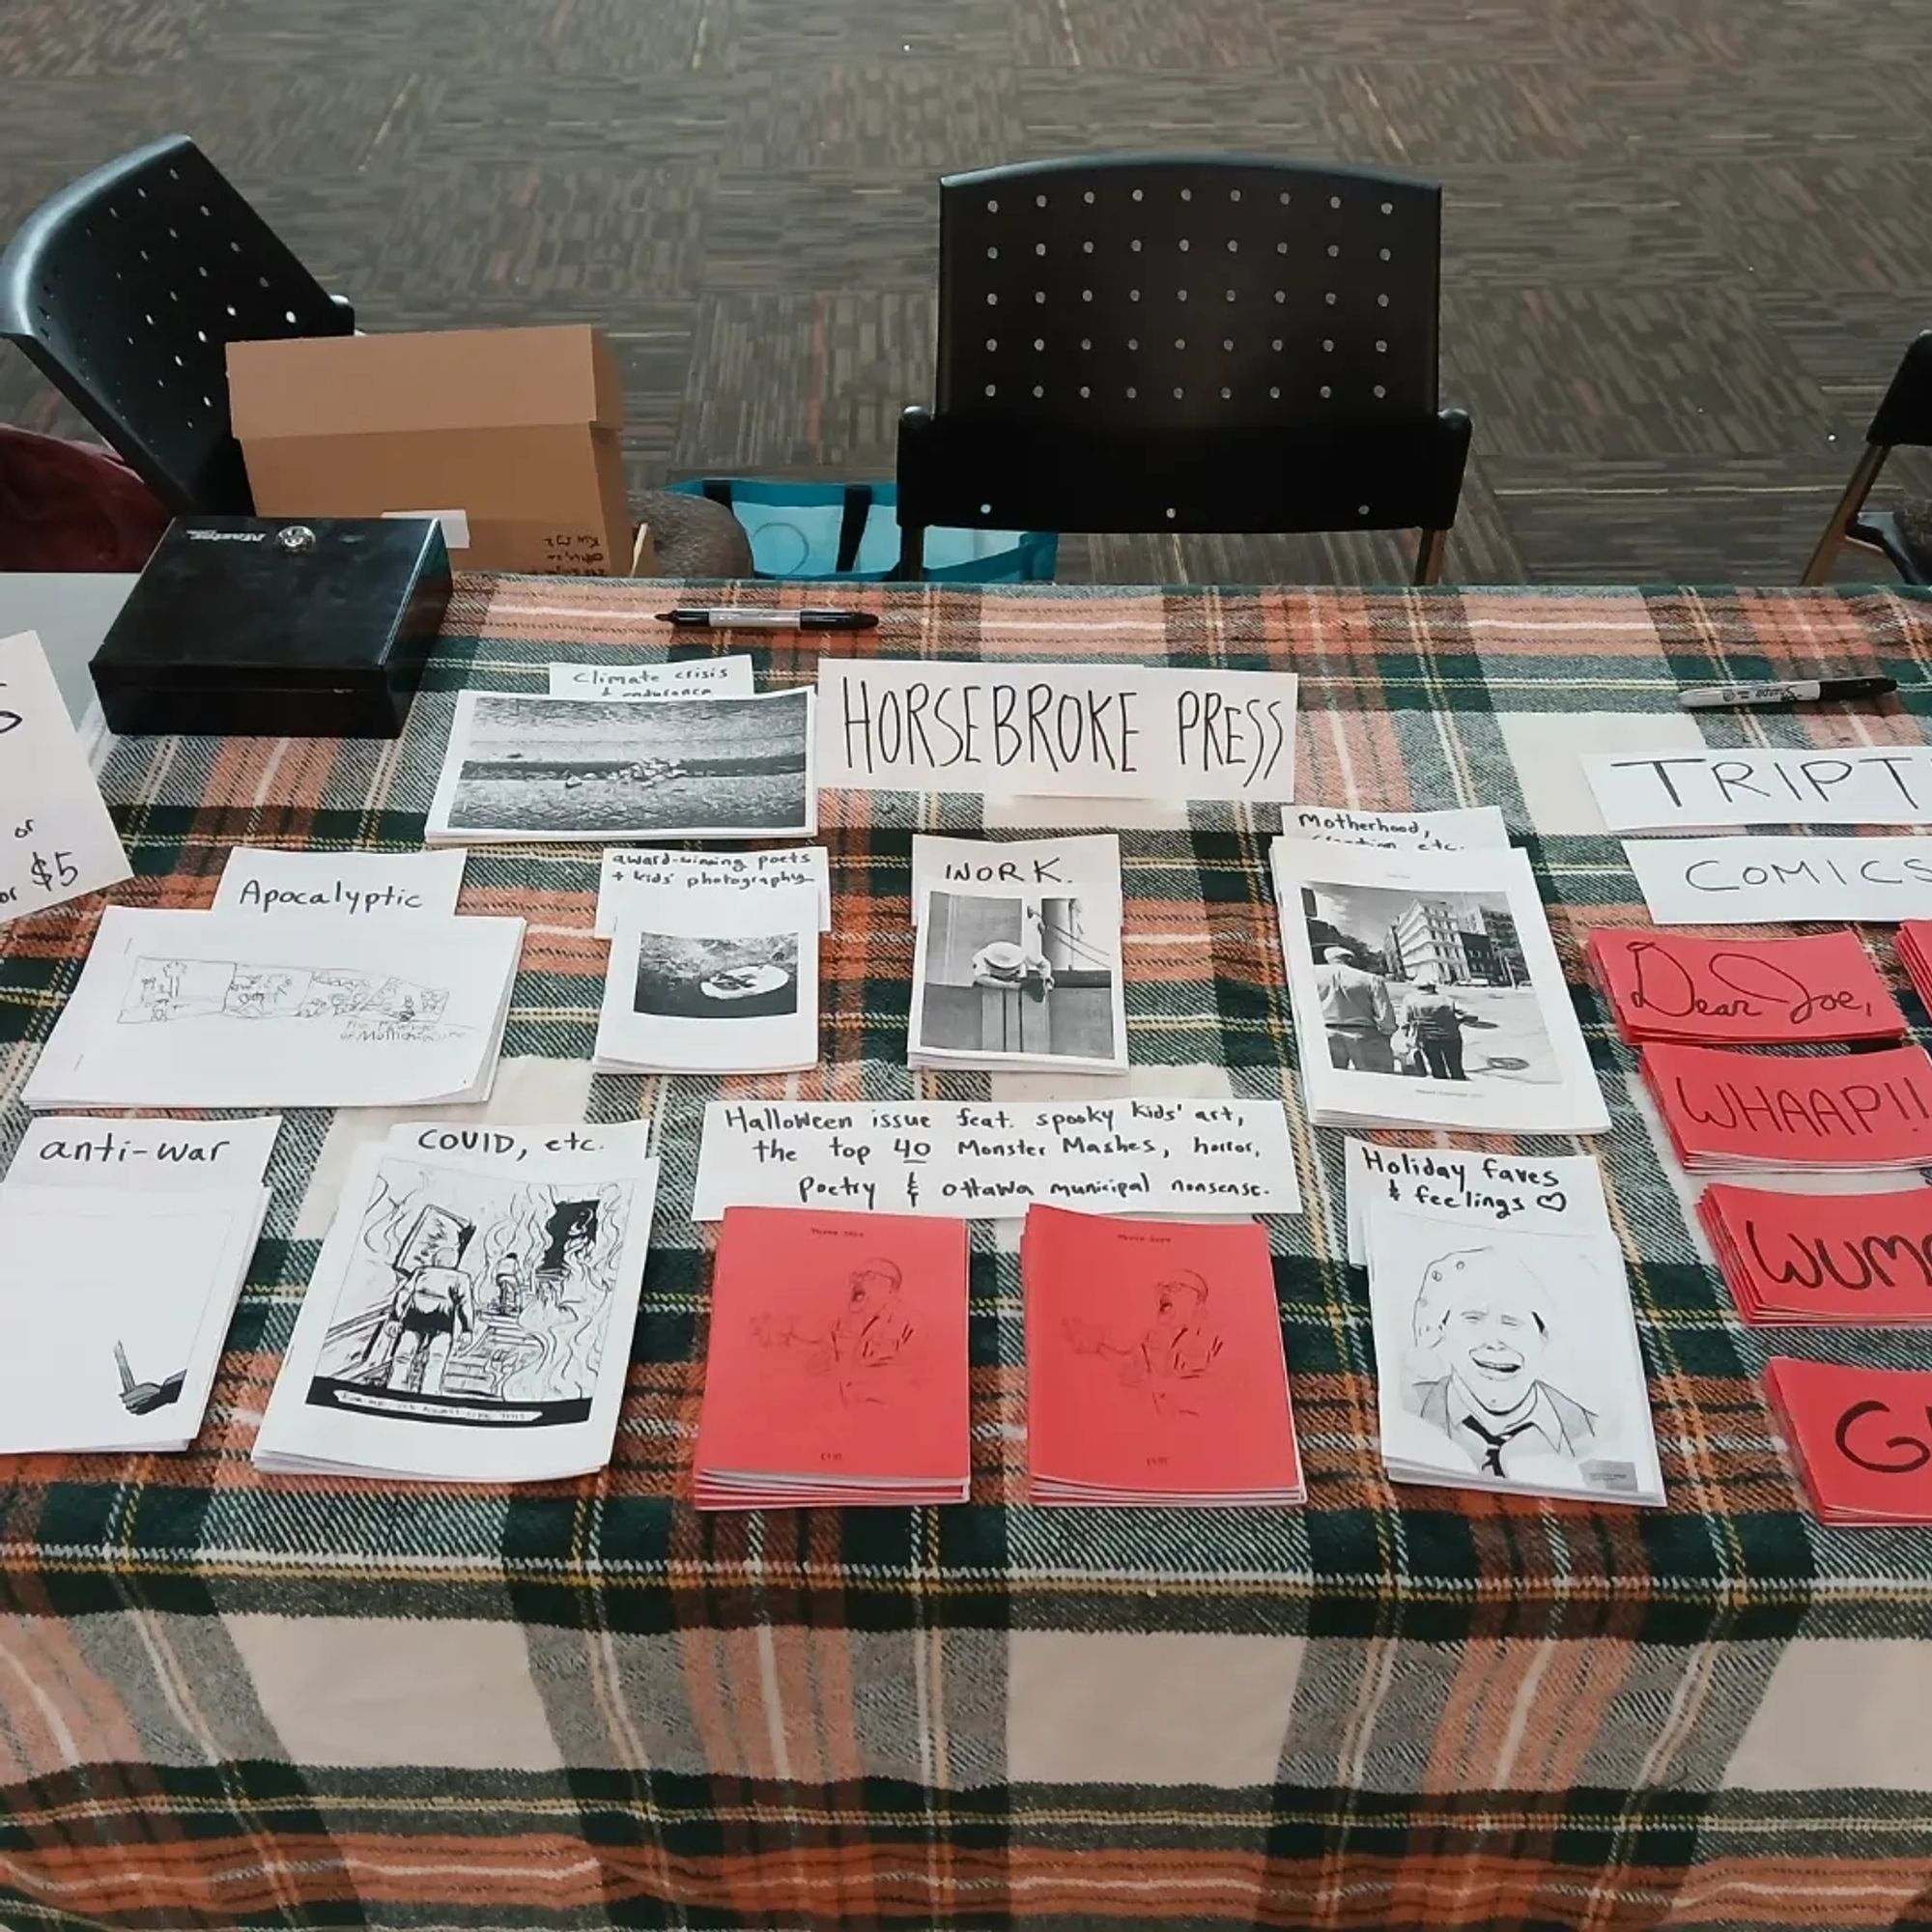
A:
(1850, 503)
(912, 552)
(1430, 550)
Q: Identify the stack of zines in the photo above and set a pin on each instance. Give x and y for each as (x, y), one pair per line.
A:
(1156, 1372)
(836, 1371)
(1854, 1439)
(1666, 986)
(231, 1010)
(1739, 1112)
(1506, 1350)
(1823, 1261)
(470, 1314)
(1010, 978)
(127, 1250)
(1914, 946)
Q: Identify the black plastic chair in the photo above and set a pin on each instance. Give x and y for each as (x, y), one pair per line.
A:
(1201, 343)
(1903, 417)
(127, 288)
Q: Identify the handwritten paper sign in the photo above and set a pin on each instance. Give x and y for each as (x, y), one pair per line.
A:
(1459, 829)
(1855, 784)
(1555, 1193)
(56, 839)
(350, 885)
(512, 1147)
(989, 1160)
(641, 879)
(78, 1150)
(1080, 730)
(687, 677)
(1768, 881)
(1088, 864)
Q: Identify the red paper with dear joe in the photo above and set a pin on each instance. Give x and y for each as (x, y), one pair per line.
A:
(1797, 1110)
(1744, 992)
(837, 1346)
(1155, 1361)
(1862, 1437)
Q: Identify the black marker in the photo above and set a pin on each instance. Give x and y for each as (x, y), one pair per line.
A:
(1799, 691)
(748, 617)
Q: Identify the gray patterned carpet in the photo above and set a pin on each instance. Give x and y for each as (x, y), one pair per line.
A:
(1686, 239)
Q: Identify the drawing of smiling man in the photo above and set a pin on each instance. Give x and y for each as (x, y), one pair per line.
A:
(1485, 1318)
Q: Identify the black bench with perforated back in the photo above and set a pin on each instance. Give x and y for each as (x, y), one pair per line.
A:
(1192, 343)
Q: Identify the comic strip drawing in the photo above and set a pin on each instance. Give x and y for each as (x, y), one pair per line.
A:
(1170, 1357)
(140, 1398)
(861, 1349)
(1485, 1318)
(474, 1299)
(175, 989)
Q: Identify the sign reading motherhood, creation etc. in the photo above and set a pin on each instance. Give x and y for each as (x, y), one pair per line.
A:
(1081, 730)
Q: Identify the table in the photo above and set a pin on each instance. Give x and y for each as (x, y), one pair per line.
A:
(227, 1699)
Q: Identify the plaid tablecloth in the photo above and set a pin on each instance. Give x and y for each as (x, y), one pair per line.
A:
(232, 1700)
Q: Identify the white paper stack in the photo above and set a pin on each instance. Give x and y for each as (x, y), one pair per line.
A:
(231, 1010)
(127, 1243)
(1506, 1349)
(1018, 961)
(470, 1316)
(1427, 992)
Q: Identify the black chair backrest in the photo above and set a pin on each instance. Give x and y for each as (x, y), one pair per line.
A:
(1905, 416)
(126, 290)
(1186, 292)
(1185, 342)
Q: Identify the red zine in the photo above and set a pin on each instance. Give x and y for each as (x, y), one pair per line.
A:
(1155, 1364)
(1726, 1109)
(837, 1367)
(1824, 1259)
(1742, 992)
(1914, 948)
(1861, 1438)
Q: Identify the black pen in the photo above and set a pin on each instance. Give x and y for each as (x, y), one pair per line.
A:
(1797, 690)
(751, 617)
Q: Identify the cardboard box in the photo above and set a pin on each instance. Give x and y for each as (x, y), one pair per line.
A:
(509, 434)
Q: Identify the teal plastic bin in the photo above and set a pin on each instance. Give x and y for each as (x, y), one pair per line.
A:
(849, 532)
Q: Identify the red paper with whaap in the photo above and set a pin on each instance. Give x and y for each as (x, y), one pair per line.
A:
(1861, 1438)
(1726, 1109)
(1744, 992)
(1825, 1259)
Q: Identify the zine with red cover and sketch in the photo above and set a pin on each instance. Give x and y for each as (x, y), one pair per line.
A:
(1768, 1110)
(1820, 1261)
(837, 1366)
(1742, 992)
(1861, 1438)
(1155, 1364)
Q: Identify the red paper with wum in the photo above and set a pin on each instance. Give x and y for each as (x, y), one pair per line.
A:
(1862, 1437)
(1744, 992)
(1797, 1110)
(838, 1348)
(1829, 1257)
(1154, 1363)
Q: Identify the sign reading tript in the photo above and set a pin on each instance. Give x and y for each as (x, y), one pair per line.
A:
(1081, 730)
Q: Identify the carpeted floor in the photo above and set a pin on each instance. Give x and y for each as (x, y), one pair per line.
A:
(1686, 239)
